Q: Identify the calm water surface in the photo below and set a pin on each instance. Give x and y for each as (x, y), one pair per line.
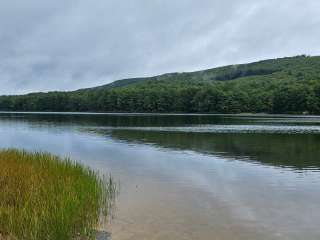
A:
(192, 176)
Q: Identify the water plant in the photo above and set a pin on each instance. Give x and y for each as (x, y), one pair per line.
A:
(43, 196)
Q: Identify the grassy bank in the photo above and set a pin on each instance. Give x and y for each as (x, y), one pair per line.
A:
(45, 197)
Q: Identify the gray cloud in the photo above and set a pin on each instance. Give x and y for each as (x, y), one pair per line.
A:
(70, 44)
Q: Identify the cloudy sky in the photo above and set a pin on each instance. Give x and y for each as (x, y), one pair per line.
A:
(71, 44)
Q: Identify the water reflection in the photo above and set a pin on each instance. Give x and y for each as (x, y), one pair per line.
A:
(183, 185)
(154, 120)
(300, 151)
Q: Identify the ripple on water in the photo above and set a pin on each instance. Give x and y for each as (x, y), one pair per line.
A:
(285, 129)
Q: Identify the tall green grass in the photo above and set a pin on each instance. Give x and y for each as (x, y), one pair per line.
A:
(44, 197)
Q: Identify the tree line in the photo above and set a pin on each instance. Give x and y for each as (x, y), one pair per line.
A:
(286, 86)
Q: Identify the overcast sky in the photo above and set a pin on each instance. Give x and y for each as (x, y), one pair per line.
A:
(71, 44)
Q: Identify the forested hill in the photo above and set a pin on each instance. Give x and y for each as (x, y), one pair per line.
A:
(285, 85)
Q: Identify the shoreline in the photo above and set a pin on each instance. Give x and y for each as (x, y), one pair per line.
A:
(165, 114)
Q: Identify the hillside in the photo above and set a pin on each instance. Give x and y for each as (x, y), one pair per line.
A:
(285, 85)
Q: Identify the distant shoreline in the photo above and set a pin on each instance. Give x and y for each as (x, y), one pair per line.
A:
(165, 114)
(289, 86)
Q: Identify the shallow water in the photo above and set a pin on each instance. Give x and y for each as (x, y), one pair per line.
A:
(192, 176)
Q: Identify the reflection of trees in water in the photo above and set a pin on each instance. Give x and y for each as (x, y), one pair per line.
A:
(133, 120)
(285, 150)
(295, 150)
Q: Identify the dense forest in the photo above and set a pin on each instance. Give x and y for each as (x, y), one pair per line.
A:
(285, 85)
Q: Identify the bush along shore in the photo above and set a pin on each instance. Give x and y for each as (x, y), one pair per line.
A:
(45, 197)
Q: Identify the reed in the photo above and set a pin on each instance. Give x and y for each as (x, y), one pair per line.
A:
(45, 197)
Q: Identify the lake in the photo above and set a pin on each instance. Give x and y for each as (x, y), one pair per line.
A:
(191, 176)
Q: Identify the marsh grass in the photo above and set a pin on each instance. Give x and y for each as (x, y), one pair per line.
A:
(45, 197)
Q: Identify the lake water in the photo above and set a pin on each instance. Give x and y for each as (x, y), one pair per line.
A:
(191, 176)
